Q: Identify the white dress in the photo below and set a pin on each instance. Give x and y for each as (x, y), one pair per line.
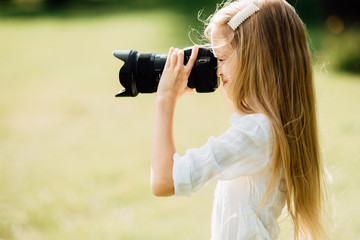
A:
(240, 159)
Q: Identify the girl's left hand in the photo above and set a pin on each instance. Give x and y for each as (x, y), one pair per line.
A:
(173, 82)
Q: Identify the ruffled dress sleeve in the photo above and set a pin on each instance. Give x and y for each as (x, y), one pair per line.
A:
(242, 150)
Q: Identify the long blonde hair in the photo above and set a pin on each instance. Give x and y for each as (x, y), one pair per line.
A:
(274, 77)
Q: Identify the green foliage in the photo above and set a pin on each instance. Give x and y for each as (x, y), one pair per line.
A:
(310, 11)
(343, 50)
(349, 52)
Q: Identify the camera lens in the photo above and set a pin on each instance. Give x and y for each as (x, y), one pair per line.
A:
(141, 72)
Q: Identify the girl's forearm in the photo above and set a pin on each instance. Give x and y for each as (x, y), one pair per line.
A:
(172, 85)
(163, 147)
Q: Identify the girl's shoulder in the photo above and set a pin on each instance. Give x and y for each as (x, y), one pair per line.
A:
(256, 125)
(253, 119)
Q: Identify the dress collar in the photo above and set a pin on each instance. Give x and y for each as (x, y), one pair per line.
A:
(234, 117)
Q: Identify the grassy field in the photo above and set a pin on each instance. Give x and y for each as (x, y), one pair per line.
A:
(74, 161)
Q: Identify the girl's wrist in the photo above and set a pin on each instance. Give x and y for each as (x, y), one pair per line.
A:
(167, 98)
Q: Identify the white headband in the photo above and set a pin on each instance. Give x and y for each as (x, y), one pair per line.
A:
(242, 15)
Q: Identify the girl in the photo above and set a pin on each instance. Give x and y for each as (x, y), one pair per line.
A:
(269, 156)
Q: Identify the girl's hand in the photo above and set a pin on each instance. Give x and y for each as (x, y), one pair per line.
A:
(173, 82)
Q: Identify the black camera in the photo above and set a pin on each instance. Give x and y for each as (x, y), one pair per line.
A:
(141, 72)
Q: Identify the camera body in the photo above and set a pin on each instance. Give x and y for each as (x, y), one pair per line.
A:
(141, 72)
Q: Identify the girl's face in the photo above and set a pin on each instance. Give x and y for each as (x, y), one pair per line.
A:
(227, 60)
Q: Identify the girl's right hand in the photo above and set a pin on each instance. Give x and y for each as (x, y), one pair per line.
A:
(173, 82)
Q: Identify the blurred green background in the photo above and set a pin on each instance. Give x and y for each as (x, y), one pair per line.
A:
(75, 161)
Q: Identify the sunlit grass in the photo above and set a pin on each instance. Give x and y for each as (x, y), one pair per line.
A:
(75, 160)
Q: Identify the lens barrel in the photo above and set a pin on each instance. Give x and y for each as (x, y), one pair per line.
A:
(141, 72)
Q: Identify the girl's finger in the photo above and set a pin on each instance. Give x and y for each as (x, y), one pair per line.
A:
(188, 90)
(192, 59)
(171, 50)
(174, 57)
(180, 59)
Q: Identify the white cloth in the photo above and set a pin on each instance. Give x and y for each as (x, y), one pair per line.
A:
(240, 159)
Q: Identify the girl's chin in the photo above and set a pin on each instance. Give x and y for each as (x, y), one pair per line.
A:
(224, 89)
(225, 85)
(224, 92)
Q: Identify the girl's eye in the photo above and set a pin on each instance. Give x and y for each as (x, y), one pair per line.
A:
(221, 60)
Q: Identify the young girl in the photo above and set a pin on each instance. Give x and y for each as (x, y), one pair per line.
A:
(269, 156)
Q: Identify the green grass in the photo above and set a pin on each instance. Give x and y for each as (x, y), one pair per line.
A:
(75, 160)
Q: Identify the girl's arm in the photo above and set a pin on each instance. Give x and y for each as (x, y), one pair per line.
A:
(172, 85)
